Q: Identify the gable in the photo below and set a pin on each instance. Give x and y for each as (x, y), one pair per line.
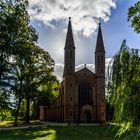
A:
(85, 76)
(85, 72)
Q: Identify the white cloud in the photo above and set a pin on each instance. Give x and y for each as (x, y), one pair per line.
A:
(85, 13)
(59, 67)
(58, 71)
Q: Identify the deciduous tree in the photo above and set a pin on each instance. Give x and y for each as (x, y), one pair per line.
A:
(134, 16)
(123, 87)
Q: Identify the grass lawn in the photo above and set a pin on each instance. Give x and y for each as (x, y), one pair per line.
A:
(63, 133)
(20, 123)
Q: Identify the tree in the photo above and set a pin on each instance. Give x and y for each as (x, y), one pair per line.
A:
(134, 16)
(47, 94)
(32, 65)
(24, 66)
(14, 35)
(5, 48)
(39, 69)
(16, 38)
(123, 87)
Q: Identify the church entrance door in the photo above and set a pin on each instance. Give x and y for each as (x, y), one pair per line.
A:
(87, 116)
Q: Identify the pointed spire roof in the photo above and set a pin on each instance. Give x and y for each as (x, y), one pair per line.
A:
(69, 37)
(99, 43)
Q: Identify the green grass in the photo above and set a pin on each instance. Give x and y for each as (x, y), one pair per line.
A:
(4, 123)
(20, 123)
(62, 133)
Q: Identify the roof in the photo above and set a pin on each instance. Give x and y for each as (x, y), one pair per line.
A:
(85, 71)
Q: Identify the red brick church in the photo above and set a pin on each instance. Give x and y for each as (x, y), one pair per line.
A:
(82, 94)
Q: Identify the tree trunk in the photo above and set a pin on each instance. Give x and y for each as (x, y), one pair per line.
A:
(16, 118)
(1, 66)
(16, 113)
(28, 109)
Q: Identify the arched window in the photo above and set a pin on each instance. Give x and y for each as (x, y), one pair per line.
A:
(102, 114)
(71, 54)
(102, 70)
(102, 100)
(101, 58)
(84, 94)
(70, 98)
(98, 58)
(71, 113)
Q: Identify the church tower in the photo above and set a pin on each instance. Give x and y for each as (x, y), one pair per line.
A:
(100, 79)
(69, 75)
(82, 93)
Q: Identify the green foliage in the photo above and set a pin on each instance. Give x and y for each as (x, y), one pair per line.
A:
(24, 66)
(22, 110)
(48, 93)
(5, 113)
(134, 16)
(123, 87)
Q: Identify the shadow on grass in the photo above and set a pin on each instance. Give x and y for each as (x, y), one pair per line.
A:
(64, 133)
(29, 134)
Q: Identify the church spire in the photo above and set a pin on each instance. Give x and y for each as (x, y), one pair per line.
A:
(69, 53)
(99, 43)
(69, 37)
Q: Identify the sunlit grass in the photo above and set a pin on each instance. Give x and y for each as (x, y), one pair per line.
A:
(20, 123)
(48, 135)
(4, 123)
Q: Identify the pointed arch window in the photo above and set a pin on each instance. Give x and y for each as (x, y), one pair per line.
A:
(102, 100)
(84, 94)
(67, 54)
(101, 58)
(102, 114)
(102, 71)
(98, 58)
(71, 99)
(71, 54)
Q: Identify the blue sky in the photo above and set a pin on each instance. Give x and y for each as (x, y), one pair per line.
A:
(50, 18)
(117, 29)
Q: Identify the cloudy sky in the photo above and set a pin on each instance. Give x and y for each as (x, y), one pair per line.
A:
(50, 18)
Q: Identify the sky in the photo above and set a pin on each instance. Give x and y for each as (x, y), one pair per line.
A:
(50, 18)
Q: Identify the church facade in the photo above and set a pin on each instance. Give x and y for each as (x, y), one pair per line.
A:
(82, 93)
